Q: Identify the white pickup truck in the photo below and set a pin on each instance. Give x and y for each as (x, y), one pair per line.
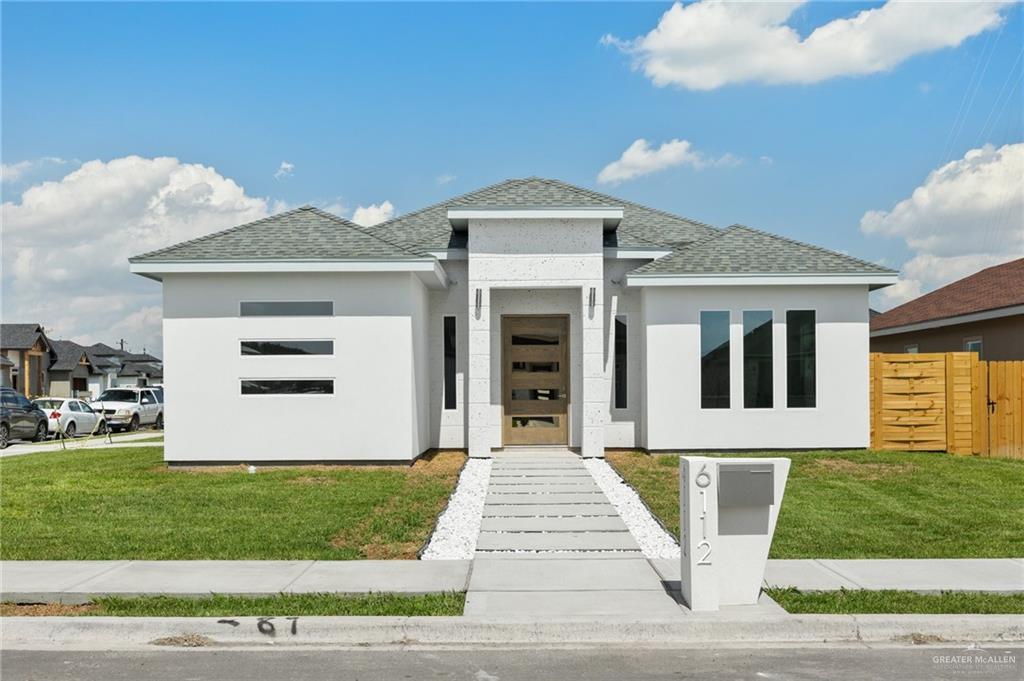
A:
(129, 408)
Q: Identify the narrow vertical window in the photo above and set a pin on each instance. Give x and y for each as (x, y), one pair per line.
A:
(621, 372)
(800, 359)
(714, 360)
(449, 362)
(757, 359)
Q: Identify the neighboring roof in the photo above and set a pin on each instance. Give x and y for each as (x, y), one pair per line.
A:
(990, 289)
(744, 250)
(140, 368)
(305, 233)
(428, 229)
(68, 355)
(140, 357)
(20, 336)
(104, 350)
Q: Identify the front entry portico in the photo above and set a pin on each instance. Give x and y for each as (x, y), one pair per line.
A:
(535, 380)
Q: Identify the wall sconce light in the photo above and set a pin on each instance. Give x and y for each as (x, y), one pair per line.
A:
(479, 297)
(593, 297)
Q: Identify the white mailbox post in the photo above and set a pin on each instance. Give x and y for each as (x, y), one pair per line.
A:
(728, 510)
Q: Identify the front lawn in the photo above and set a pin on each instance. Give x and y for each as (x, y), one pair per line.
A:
(864, 504)
(281, 605)
(106, 504)
(897, 602)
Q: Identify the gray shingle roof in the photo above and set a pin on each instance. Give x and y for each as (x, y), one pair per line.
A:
(68, 354)
(19, 336)
(305, 233)
(428, 229)
(140, 368)
(743, 250)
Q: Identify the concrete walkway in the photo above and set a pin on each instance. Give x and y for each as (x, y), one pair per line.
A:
(552, 545)
(20, 448)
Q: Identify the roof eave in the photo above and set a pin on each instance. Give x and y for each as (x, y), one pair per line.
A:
(428, 268)
(953, 320)
(873, 280)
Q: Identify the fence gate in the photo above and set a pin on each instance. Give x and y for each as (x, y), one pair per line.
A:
(1001, 423)
(947, 402)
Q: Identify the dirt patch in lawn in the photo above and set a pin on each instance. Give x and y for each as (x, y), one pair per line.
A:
(859, 470)
(45, 609)
(313, 480)
(442, 462)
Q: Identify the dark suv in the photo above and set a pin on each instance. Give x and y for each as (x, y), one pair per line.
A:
(20, 419)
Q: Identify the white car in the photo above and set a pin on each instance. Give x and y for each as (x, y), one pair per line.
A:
(70, 416)
(129, 408)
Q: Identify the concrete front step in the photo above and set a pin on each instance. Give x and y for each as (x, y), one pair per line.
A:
(587, 524)
(547, 498)
(556, 541)
(549, 510)
(543, 487)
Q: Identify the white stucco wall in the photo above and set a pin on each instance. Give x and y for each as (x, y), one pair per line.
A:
(534, 254)
(674, 419)
(623, 427)
(381, 398)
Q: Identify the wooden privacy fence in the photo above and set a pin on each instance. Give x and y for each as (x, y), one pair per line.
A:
(947, 402)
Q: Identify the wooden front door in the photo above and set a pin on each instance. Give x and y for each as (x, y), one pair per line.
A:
(535, 380)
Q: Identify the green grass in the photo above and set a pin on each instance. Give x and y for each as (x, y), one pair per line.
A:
(281, 605)
(897, 602)
(126, 504)
(866, 504)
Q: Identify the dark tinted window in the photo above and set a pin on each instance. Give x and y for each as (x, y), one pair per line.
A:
(287, 347)
(757, 359)
(714, 360)
(800, 359)
(288, 387)
(449, 363)
(289, 308)
(620, 363)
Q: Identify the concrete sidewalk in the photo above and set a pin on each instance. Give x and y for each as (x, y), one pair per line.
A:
(622, 577)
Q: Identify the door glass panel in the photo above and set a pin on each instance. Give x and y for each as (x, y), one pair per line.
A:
(535, 339)
(547, 367)
(536, 421)
(536, 393)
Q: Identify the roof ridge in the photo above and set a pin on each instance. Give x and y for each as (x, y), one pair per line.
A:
(820, 249)
(206, 237)
(359, 228)
(593, 192)
(441, 203)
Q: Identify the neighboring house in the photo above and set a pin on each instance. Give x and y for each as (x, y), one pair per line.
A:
(5, 371)
(71, 370)
(135, 373)
(31, 354)
(983, 313)
(528, 312)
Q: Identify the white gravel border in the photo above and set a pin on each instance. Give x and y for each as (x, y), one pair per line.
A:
(458, 527)
(654, 541)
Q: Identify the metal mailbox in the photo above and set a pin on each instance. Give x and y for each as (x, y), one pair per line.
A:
(746, 484)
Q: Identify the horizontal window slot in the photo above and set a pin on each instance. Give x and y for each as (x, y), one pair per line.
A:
(535, 379)
(288, 386)
(535, 353)
(287, 308)
(536, 407)
(286, 347)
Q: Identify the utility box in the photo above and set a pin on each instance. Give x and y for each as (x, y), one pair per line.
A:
(728, 510)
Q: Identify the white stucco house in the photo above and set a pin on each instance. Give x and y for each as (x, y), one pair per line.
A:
(530, 312)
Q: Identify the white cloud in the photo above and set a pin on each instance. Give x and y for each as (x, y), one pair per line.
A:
(284, 170)
(66, 243)
(373, 214)
(22, 170)
(641, 159)
(709, 44)
(444, 179)
(968, 214)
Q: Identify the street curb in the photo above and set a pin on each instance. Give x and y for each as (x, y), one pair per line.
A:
(115, 633)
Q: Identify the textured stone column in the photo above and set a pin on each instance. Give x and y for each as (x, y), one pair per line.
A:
(595, 385)
(478, 400)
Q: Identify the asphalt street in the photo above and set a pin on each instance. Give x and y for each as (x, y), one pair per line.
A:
(604, 664)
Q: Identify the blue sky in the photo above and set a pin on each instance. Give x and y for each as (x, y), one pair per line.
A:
(377, 102)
